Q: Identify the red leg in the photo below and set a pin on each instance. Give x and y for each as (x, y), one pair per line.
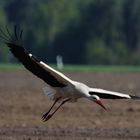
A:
(50, 115)
(46, 114)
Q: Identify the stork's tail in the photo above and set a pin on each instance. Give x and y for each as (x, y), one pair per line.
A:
(135, 97)
(50, 92)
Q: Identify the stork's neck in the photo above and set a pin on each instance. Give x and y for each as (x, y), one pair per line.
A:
(82, 88)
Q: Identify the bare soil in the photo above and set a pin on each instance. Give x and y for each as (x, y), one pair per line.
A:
(22, 105)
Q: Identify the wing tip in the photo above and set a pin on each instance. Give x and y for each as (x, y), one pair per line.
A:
(135, 97)
(9, 38)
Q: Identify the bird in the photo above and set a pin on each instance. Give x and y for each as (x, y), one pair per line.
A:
(59, 88)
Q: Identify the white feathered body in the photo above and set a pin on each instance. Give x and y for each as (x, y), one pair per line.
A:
(73, 91)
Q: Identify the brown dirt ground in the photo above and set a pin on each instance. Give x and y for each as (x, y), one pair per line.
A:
(22, 105)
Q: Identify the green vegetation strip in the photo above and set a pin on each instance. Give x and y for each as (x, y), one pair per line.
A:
(102, 69)
(79, 68)
(10, 67)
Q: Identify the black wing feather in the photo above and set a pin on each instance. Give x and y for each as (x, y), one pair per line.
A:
(30, 62)
(106, 96)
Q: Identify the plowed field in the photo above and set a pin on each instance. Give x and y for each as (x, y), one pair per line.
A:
(22, 105)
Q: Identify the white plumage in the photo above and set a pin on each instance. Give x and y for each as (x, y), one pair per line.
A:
(59, 87)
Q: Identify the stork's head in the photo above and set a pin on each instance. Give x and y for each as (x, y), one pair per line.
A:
(97, 100)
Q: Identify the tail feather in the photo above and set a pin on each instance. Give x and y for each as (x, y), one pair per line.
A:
(50, 92)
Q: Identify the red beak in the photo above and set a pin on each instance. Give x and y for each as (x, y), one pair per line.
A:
(100, 103)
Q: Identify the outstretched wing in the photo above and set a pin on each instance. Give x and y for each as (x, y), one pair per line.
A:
(105, 94)
(37, 67)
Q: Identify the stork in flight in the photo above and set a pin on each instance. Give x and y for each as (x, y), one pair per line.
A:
(59, 88)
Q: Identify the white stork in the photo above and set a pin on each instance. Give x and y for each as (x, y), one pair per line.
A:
(59, 87)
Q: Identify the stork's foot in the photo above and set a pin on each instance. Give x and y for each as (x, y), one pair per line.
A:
(46, 117)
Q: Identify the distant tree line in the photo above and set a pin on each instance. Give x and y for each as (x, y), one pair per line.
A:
(82, 31)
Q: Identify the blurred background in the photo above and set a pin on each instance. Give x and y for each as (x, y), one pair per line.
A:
(98, 41)
(101, 32)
